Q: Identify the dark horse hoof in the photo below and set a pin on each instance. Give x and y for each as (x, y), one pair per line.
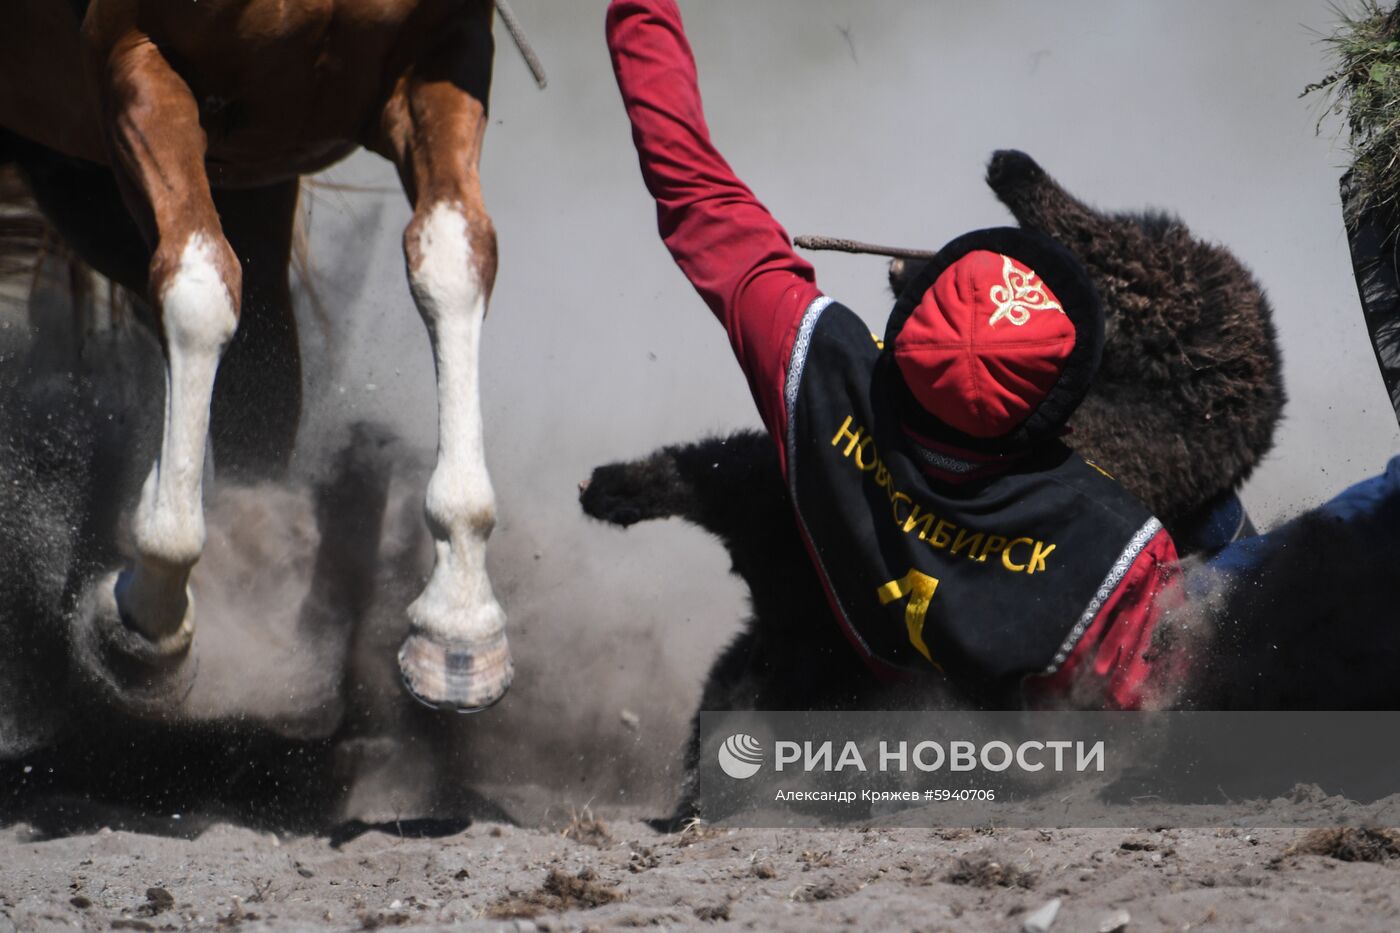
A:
(143, 677)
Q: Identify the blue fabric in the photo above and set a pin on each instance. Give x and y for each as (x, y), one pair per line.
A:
(1213, 527)
(1363, 506)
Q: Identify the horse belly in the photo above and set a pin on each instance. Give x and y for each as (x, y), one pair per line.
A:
(43, 96)
(231, 167)
(261, 136)
(283, 88)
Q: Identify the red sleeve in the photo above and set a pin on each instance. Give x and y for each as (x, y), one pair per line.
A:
(1110, 667)
(735, 254)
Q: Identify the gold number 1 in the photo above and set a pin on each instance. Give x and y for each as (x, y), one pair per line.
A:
(919, 587)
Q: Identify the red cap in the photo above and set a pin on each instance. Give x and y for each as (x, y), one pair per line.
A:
(985, 345)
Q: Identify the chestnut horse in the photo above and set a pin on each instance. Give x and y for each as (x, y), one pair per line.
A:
(165, 140)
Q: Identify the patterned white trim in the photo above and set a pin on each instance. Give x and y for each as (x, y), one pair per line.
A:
(797, 360)
(1110, 583)
(942, 461)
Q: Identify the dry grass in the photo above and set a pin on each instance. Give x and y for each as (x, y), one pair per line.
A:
(1364, 86)
(695, 830)
(983, 871)
(560, 892)
(1349, 844)
(588, 830)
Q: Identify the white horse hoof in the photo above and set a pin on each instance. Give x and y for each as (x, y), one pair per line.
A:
(457, 677)
(144, 677)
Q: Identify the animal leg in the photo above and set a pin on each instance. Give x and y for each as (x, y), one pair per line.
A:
(624, 494)
(194, 286)
(1036, 201)
(456, 655)
(730, 486)
(1039, 203)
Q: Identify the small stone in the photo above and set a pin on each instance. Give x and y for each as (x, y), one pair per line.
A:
(1115, 922)
(159, 899)
(630, 719)
(1040, 919)
(525, 926)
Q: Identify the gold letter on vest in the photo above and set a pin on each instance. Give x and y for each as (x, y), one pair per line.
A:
(919, 587)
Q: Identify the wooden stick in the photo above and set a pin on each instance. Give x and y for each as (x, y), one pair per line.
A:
(532, 61)
(856, 246)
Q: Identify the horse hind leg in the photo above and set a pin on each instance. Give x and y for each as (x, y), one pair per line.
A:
(456, 655)
(257, 398)
(143, 616)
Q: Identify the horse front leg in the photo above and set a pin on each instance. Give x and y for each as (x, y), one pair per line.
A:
(158, 149)
(456, 655)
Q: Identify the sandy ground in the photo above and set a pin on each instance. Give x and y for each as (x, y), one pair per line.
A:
(615, 872)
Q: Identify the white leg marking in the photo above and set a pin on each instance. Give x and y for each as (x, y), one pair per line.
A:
(457, 605)
(198, 317)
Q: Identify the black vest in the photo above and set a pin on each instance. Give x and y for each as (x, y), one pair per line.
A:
(988, 580)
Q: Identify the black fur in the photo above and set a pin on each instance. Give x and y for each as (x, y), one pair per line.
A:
(791, 653)
(1190, 389)
(732, 487)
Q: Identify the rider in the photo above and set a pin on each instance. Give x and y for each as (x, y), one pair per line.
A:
(952, 529)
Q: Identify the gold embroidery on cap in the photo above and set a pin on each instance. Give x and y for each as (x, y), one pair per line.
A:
(1019, 294)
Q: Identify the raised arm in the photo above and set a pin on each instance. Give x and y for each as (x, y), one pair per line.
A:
(735, 254)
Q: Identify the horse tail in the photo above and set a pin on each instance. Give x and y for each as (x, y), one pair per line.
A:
(62, 298)
(33, 252)
(24, 233)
